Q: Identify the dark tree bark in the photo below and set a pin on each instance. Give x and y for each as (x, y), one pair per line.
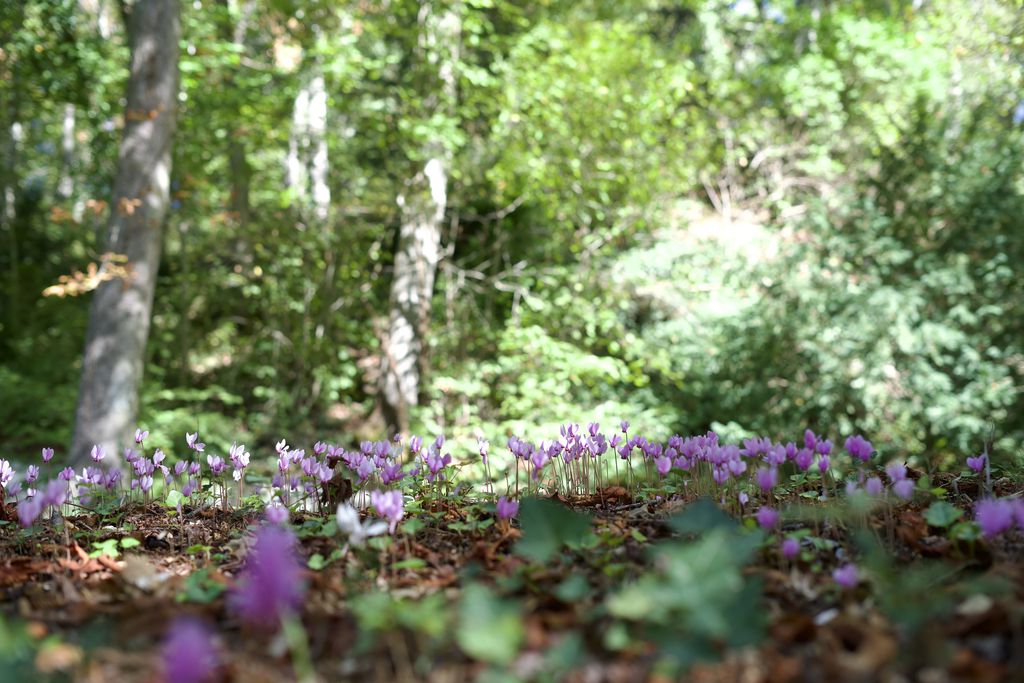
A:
(119, 317)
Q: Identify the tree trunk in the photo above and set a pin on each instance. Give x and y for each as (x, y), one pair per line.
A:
(423, 206)
(307, 164)
(119, 317)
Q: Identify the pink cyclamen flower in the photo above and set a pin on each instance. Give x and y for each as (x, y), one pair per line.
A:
(994, 516)
(31, 474)
(507, 509)
(6, 473)
(977, 463)
(804, 458)
(859, 447)
(846, 576)
(767, 518)
(874, 487)
(193, 442)
(67, 474)
(140, 436)
(217, 464)
(47, 454)
(97, 453)
(904, 489)
(663, 464)
(390, 506)
(270, 587)
(896, 471)
(276, 513)
(824, 463)
(189, 655)
(28, 510)
(790, 548)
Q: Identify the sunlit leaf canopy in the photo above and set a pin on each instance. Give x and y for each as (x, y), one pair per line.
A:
(750, 216)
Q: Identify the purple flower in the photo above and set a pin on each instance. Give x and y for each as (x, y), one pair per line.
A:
(140, 436)
(47, 454)
(874, 487)
(663, 464)
(823, 463)
(31, 474)
(146, 483)
(846, 576)
(743, 498)
(391, 472)
(994, 516)
(896, 471)
(804, 458)
(67, 474)
(193, 442)
(810, 439)
(624, 426)
(97, 453)
(217, 464)
(194, 468)
(180, 467)
(767, 518)
(189, 655)
(276, 513)
(482, 446)
(389, 505)
(904, 489)
(977, 463)
(28, 510)
(824, 447)
(507, 509)
(790, 548)
(859, 447)
(271, 584)
(190, 487)
(55, 493)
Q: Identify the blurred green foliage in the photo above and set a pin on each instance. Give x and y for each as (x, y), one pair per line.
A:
(748, 216)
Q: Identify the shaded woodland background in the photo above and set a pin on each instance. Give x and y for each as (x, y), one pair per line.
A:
(747, 216)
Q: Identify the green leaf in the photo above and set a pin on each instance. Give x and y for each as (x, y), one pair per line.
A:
(942, 514)
(130, 542)
(699, 517)
(547, 526)
(489, 629)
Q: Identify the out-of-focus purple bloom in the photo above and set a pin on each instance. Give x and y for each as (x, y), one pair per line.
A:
(767, 518)
(194, 468)
(146, 484)
(31, 474)
(28, 510)
(130, 455)
(624, 426)
(804, 458)
(276, 513)
(859, 447)
(190, 487)
(390, 506)
(896, 471)
(140, 436)
(435, 463)
(663, 464)
(824, 463)
(790, 548)
(852, 488)
(415, 444)
(271, 584)
(67, 474)
(977, 463)
(189, 655)
(507, 509)
(193, 442)
(874, 487)
(47, 454)
(743, 498)
(824, 447)
(846, 576)
(55, 493)
(319, 448)
(994, 516)
(810, 439)
(180, 467)
(904, 489)
(97, 453)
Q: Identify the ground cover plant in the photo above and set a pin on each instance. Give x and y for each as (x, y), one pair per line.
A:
(596, 555)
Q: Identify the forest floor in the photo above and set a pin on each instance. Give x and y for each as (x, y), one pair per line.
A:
(92, 600)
